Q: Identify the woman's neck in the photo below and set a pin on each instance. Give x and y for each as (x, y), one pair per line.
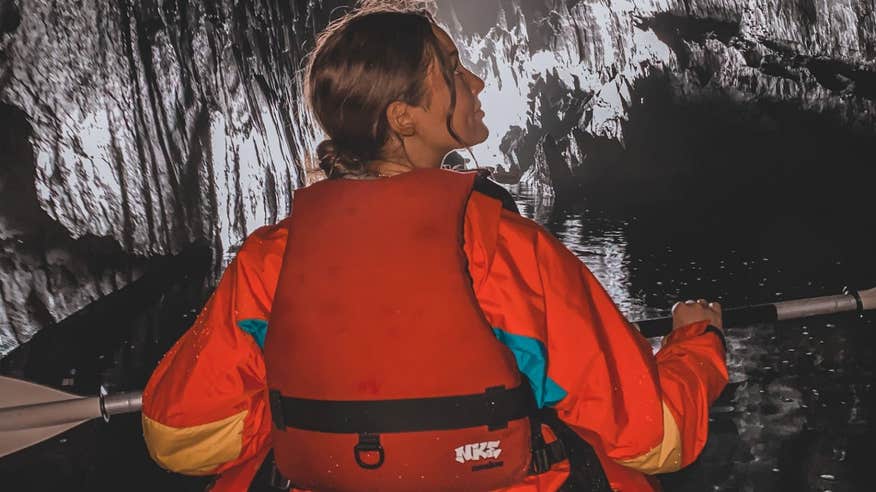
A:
(407, 158)
(386, 168)
(389, 168)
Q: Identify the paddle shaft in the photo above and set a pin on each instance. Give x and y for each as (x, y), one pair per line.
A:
(765, 313)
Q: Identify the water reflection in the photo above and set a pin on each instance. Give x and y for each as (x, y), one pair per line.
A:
(597, 239)
(797, 413)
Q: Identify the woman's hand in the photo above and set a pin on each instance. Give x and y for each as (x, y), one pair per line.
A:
(687, 312)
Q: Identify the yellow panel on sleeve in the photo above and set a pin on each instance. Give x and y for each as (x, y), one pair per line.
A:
(666, 457)
(195, 450)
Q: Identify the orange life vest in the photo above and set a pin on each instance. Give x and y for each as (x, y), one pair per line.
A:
(383, 373)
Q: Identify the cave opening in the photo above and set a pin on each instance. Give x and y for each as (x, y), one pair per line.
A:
(728, 166)
(763, 178)
(751, 154)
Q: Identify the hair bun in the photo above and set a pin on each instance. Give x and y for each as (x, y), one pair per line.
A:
(336, 162)
(326, 150)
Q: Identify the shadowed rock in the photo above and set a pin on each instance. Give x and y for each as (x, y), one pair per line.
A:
(549, 173)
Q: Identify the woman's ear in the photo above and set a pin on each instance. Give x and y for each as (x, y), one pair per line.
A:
(400, 119)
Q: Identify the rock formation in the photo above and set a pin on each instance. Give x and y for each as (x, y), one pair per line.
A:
(133, 129)
(550, 171)
(573, 68)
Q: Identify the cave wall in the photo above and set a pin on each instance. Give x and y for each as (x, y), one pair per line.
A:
(134, 129)
(573, 69)
(131, 130)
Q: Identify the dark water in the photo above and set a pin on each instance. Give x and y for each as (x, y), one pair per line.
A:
(796, 416)
(114, 343)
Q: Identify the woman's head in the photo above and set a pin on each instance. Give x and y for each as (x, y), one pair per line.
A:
(387, 85)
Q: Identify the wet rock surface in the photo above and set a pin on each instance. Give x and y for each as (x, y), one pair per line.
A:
(144, 127)
(584, 63)
(549, 172)
(152, 126)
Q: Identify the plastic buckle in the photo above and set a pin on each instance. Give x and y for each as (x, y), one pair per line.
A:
(369, 443)
(541, 461)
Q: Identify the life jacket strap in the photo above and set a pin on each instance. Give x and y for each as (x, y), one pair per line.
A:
(585, 469)
(493, 408)
(544, 455)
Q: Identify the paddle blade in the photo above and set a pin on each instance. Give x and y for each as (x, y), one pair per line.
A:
(14, 440)
(16, 393)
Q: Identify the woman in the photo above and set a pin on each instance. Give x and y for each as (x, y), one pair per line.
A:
(390, 282)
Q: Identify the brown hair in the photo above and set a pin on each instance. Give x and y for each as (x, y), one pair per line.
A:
(362, 63)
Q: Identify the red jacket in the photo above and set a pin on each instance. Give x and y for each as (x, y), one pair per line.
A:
(205, 408)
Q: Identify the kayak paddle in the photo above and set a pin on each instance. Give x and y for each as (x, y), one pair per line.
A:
(31, 413)
(860, 301)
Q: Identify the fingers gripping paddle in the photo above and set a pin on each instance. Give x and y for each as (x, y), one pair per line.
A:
(31, 413)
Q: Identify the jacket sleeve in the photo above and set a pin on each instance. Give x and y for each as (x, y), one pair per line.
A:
(205, 407)
(582, 357)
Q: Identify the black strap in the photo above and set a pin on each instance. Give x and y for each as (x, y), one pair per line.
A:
(494, 408)
(492, 189)
(547, 456)
(585, 470)
(544, 456)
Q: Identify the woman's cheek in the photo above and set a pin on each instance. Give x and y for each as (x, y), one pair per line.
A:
(479, 131)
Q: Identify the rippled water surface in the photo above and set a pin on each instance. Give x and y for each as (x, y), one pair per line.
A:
(798, 412)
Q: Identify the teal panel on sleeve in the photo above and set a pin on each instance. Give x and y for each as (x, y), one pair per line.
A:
(531, 358)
